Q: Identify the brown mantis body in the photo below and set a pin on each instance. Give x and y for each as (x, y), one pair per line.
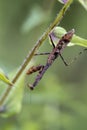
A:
(56, 51)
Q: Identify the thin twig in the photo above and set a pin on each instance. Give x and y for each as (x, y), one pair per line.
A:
(36, 46)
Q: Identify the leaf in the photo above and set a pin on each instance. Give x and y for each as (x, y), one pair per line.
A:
(13, 102)
(4, 78)
(58, 32)
(84, 3)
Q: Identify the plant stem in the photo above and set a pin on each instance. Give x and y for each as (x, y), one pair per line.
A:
(36, 46)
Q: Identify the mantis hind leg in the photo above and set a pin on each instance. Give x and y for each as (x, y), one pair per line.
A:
(75, 58)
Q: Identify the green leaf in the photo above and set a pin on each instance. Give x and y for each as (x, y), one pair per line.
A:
(58, 32)
(84, 3)
(13, 102)
(4, 78)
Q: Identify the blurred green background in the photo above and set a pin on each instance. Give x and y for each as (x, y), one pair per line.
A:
(60, 101)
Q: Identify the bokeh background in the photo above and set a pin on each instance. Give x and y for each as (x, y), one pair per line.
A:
(60, 100)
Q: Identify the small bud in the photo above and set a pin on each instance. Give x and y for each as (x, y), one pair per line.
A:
(63, 1)
(56, 34)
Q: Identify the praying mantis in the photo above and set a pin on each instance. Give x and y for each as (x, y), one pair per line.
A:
(52, 56)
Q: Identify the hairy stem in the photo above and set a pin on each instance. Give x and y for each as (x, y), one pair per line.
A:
(36, 46)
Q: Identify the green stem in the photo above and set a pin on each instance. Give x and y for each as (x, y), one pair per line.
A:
(37, 45)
